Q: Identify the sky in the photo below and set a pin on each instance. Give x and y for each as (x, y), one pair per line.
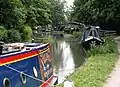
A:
(69, 2)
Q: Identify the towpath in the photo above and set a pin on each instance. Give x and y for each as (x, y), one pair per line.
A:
(114, 77)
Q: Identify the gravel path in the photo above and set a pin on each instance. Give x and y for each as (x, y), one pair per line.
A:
(114, 77)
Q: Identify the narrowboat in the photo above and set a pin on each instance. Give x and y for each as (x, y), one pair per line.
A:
(91, 35)
(26, 66)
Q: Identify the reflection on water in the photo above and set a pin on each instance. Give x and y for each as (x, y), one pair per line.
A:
(67, 65)
(67, 56)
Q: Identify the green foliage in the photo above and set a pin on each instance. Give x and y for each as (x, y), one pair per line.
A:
(107, 48)
(27, 33)
(13, 36)
(77, 34)
(14, 14)
(38, 13)
(57, 12)
(97, 12)
(3, 34)
(94, 72)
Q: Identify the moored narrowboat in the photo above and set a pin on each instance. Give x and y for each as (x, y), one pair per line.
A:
(30, 66)
(91, 35)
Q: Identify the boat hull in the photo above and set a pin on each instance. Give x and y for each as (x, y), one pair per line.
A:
(27, 69)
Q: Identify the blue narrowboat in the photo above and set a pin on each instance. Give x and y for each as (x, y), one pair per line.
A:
(30, 66)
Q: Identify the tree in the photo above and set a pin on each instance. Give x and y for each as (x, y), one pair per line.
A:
(15, 14)
(57, 12)
(38, 13)
(105, 13)
(12, 13)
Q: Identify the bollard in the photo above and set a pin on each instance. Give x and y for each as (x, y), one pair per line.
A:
(1, 47)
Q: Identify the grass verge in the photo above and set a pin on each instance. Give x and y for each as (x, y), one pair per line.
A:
(95, 72)
(108, 47)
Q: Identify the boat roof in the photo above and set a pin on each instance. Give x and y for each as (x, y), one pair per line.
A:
(14, 48)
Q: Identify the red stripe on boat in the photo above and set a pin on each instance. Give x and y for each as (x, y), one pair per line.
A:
(15, 58)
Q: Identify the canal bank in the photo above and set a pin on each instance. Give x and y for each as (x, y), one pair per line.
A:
(98, 67)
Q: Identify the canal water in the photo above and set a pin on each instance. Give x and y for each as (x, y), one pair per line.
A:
(68, 55)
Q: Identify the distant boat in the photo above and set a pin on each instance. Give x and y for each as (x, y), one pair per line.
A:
(91, 35)
(28, 65)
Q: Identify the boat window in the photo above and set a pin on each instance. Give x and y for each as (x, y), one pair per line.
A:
(6, 82)
(8, 52)
(96, 34)
(91, 33)
(86, 34)
(32, 44)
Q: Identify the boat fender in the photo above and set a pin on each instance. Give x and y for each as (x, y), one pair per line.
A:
(23, 78)
(35, 72)
(6, 82)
